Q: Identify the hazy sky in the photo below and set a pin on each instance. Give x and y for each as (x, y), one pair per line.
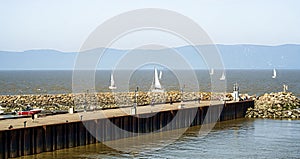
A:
(65, 24)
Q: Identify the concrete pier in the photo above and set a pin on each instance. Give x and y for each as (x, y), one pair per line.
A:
(67, 130)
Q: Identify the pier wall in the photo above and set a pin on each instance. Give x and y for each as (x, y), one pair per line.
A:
(34, 140)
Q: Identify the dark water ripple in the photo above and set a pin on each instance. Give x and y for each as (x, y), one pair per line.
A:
(243, 138)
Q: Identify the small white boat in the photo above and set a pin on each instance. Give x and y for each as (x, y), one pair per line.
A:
(156, 86)
(211, 72)
(1, 110)
(223, 77)
(112, 82)
(274, 73)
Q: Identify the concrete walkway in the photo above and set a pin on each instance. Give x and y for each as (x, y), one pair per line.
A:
(108, 113)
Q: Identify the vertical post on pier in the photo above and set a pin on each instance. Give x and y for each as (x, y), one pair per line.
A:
(85, 102)
(181, 104)
(134, 109)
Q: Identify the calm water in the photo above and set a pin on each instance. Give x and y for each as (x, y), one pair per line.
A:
(250, 81)
(243, 138)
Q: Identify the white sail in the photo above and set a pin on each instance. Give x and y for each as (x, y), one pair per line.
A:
(156, 86)
(211, 71)
(156, 80)
(274, 73)
(223, 76)
(112, 82)
(160, 74)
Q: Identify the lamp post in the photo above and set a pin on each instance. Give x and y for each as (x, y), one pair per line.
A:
(133, 110)
(86, 102)
(181, 95)
(135, 95)
(181, 104)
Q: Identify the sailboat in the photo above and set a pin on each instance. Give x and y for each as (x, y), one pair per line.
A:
(274, 73)
(112, 82)
(223, 77)
(211, 71)
(160, 74)
(156, 86)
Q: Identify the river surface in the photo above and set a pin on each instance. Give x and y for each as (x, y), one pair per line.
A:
(242, 138)
(53, 82)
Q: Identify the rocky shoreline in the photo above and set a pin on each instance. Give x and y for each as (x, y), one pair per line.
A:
(102, 100)
(274, 105)
(278, 105)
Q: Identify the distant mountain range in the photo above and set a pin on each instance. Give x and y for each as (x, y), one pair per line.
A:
(233, 56)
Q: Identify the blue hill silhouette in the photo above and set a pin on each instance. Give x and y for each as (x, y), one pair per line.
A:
(234, 57)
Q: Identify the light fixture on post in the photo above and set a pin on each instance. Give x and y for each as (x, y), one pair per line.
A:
(134, 108)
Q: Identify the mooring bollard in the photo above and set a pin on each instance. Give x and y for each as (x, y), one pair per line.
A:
(25, 124)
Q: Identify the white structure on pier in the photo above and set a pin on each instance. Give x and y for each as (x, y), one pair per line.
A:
(235, 94)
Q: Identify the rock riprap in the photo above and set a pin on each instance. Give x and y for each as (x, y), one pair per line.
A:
(275, 105)
(98, 100)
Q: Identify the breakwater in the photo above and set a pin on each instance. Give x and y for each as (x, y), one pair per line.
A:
(102, 100)
(275, 105)
(55, 135)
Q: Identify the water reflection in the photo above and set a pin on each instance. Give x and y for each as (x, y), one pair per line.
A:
(243, 138)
